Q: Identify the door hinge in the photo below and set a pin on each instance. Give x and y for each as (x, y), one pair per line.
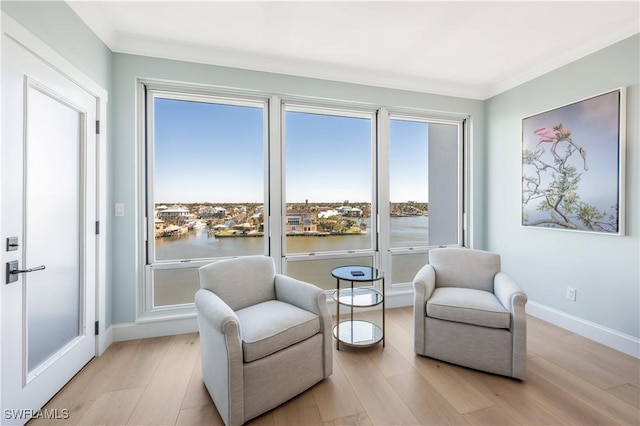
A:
(97, 330)
(97, 127)
(97, 227)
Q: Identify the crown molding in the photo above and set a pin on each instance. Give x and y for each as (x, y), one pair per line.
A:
(580, 51)
(170, 50)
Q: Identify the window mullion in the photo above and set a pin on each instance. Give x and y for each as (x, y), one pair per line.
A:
(383, 189)
(274, 185)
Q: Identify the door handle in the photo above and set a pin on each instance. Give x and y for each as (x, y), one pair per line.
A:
(22, 271)
(13, 271)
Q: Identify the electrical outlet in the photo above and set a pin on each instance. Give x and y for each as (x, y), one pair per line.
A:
(571, 294)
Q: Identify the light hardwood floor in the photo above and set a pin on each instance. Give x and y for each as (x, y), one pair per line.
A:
(570, 380)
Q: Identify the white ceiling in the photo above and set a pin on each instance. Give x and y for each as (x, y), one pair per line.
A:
(473, 49)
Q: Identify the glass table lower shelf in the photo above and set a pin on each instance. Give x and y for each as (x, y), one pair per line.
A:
(358, 333)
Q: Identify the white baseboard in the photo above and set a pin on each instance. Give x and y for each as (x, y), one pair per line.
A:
(614, 339)
(154, 328)
(105, 339)
(399, 299)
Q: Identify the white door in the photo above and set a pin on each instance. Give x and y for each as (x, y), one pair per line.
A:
(48, 179)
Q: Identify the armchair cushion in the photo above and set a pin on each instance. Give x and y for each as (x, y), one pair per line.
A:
(470, 306)
(240, 282)
(271, 326)
(480, 268)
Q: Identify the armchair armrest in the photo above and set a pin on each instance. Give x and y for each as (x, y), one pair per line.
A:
(216, 314)
(513, 299)
(221, 354)
(423, 285)
(508, 292)
(301, 294)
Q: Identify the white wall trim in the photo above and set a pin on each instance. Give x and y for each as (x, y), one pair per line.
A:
(154, 328)
(399, 298)
(21, 35)
(576, 53)
(295, 67)
(105, 339)
(614, 339)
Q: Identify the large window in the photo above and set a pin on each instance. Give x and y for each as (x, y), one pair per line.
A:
(425, 208)
(313, 185)
(206, 180)
(329, 190)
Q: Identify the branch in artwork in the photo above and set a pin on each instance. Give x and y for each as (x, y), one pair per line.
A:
(560, 196)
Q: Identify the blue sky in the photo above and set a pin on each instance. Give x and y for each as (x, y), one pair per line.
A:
(408, 161)
(210, 152)
(207, 152)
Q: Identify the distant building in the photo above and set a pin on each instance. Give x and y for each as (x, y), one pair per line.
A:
(173, 213)
(349, 211)
(213, 212)
(300, 222)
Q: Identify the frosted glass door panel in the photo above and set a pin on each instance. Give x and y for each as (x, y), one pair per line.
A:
(52, 230)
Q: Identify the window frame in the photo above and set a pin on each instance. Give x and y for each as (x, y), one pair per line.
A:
(461, 122)
(149, 91)
(338, 109)
(274, 184)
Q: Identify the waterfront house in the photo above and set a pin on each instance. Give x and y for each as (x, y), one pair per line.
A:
(300, 222)
(173, 213)
(349, 211)
(213, 212)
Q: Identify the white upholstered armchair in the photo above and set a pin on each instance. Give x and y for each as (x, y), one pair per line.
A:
(468, 312)
(264, 337)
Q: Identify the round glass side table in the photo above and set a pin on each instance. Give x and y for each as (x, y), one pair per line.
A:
(358, 332)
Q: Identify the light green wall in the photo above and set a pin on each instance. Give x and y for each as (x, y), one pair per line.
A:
(125, 150)
(604, 269)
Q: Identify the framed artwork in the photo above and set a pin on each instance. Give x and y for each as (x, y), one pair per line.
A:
(573, 166)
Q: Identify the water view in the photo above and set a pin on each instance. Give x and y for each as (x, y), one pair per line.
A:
(213, 148)
(200, 243)
(197, 231)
